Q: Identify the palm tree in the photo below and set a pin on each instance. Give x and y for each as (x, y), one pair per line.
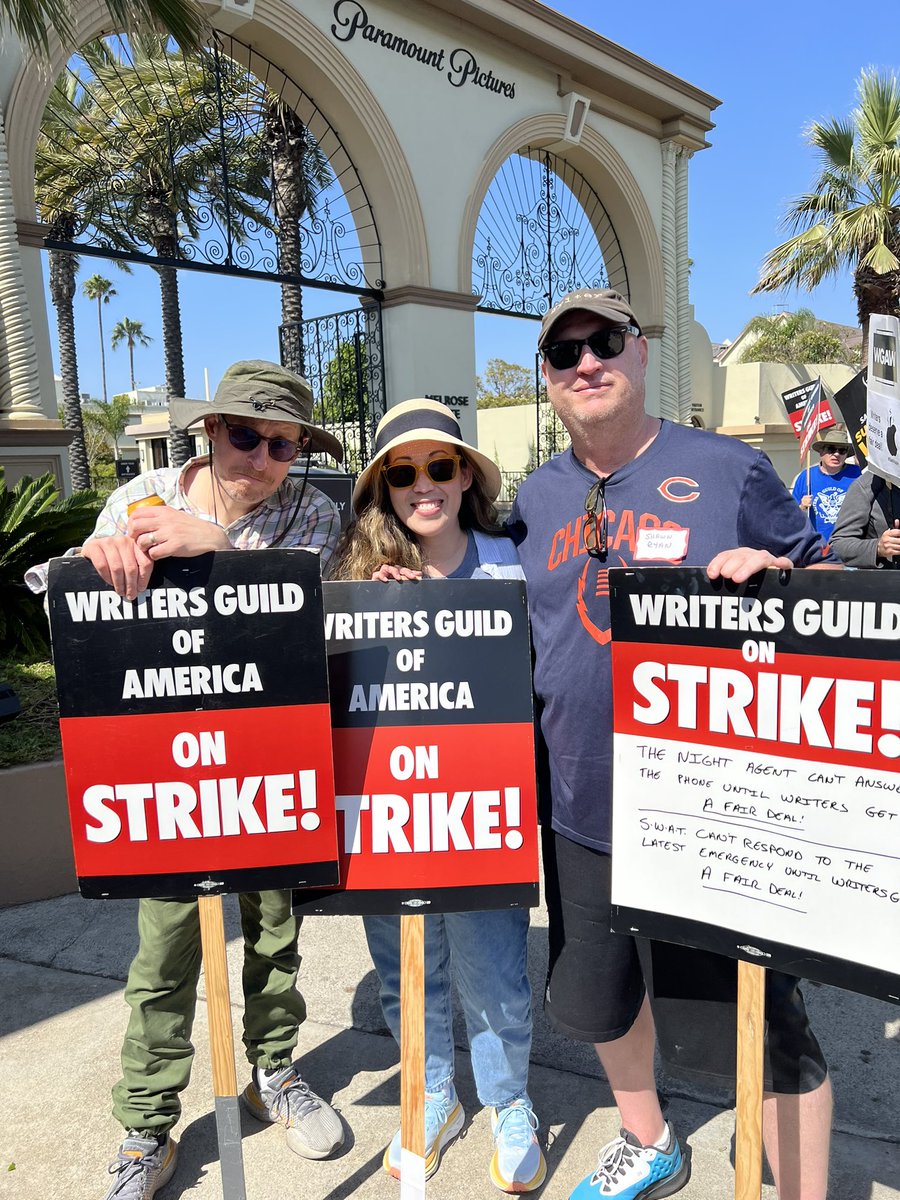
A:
(60, 145)
(63, 268)
(299, 172)
(100, 289)
(132, 333)
(32, 20)
(851, 216)
(165, 151)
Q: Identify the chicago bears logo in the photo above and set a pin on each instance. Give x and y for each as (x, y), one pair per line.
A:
(601, 588)
(674, 487)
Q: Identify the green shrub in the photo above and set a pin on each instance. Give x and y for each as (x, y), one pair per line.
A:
(32, 736)
(35, 524)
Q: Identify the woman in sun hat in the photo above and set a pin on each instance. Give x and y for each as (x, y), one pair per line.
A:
(425, 510)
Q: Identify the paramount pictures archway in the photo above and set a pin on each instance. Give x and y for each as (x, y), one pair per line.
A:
(425, 131)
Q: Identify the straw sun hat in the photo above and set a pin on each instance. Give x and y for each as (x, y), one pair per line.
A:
(420, 421)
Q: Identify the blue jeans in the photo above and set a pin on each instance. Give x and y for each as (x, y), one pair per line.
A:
(486, 954)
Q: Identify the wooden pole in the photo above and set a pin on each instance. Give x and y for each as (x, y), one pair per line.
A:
(221, 1045)
(412, 1057)
(751, 1029)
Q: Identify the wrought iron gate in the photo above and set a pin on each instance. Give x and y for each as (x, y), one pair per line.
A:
(344, 363)
(542, 231)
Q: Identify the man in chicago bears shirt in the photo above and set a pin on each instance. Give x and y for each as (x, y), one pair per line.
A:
(707, 501)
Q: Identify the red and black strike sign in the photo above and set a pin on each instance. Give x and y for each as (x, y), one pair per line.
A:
(433, 746)
(195, 726)
(756, 806)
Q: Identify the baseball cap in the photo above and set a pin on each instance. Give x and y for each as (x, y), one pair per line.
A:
(606, 303)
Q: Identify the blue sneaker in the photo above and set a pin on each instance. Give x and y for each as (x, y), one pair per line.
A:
(518, 1163)
(444, 1118)
(630, 1171)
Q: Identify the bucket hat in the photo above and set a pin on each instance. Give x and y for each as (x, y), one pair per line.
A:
(837, 435)
(256, 388)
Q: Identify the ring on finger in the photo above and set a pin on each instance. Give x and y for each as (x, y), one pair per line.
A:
(151, 540)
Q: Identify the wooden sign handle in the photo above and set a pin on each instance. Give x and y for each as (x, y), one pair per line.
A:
(221, 1045)
(412, 1057)
(751, 1033)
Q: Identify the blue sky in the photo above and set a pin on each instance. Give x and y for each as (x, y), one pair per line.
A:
(774, 67)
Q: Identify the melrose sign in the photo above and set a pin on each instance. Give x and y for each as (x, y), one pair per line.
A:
(460, 65)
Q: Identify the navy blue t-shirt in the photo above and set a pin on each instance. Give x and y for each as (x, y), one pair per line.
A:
(722, 492)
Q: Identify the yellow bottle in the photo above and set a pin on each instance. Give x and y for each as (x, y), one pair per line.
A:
(145, 500)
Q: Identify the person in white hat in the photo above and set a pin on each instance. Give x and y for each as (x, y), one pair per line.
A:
(821, 490)
(425, 508)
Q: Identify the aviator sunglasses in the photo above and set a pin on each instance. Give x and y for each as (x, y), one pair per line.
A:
(596, 521)
(603, 344)
(438, 470)
(282, 449)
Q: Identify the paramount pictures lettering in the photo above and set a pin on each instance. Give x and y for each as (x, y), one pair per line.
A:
(461, 65)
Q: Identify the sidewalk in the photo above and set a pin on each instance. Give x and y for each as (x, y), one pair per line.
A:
(62, 963)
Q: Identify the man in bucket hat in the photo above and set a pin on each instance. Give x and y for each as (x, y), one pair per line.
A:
(820, 491)
(635, 489)
(238, 496)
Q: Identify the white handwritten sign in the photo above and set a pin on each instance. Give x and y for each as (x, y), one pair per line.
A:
(756, 806)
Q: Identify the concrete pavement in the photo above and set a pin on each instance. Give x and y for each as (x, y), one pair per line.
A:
(62, 965)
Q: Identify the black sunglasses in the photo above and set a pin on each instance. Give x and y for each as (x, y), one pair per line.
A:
(438, 470)
(603, 344)
(595, 525)
(835, 449)
(282, 449)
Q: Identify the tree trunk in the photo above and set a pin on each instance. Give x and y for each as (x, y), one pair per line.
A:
(102, 348)
(875, 294)
(62, 292)
(179, 442)
(286, 139)
(131, 366)
(293, 352)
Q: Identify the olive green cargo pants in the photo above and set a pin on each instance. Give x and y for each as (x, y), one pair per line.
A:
(162, 992)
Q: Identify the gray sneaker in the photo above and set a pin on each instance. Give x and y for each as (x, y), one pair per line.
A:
(313, 1128)
(142, 1167)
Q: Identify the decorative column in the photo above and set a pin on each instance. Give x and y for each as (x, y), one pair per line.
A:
(682, 274)
(19, 380)
(668, 368)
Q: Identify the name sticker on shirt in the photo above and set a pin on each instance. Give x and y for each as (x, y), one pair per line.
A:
(661, 545)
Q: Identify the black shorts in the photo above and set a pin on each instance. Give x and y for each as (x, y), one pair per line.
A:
(596, 982)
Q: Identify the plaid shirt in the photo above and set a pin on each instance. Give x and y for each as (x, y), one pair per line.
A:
(316, 527)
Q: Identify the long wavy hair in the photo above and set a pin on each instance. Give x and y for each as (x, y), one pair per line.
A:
(378, 536)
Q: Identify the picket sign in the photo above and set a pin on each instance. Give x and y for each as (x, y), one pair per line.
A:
(431, 713)
(198, 760)
(757, 747)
